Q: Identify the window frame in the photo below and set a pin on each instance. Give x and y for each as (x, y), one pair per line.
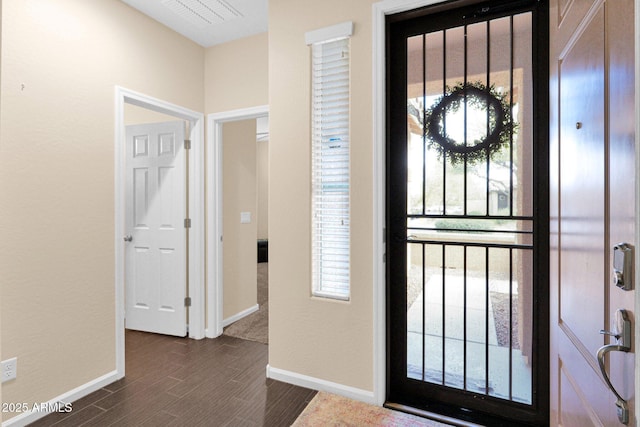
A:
(330, 37)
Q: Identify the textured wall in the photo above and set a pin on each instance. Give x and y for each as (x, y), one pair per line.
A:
(60, 62)
(262, 171)
(237, 74)
(326, 339)
(239, 195)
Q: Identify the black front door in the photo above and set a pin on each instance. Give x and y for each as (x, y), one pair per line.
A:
(467, 211)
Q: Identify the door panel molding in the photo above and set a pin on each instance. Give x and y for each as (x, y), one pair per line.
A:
(196, 211)
(156, 208)
(583, 400)
(580, 347)
(592, 36)
(582, 225)
(573, 364)
(581, 27)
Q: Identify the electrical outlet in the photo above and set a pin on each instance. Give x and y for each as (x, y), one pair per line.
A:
(9, 369)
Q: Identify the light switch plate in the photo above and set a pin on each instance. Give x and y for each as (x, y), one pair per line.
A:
(245, 217)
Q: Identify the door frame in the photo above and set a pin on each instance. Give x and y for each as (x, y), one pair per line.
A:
(196, 211)
(380, 11)
(215, 279)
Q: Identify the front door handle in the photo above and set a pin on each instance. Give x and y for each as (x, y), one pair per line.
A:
(622, 334)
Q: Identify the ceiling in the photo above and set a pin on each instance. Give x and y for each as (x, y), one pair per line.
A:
(208, 22)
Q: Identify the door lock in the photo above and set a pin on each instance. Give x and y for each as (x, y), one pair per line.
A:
(128, 238)
(623, 266)
(622, 333)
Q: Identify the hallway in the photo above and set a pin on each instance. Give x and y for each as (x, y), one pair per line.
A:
(179, 381)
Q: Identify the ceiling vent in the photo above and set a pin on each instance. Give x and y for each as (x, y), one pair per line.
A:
(203, 13)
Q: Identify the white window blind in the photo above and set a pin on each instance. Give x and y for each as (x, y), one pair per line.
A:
(330, 169)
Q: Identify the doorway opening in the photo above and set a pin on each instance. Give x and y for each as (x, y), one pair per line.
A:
(467, 211)
(135, 107)
(233, 204)
(244, 211)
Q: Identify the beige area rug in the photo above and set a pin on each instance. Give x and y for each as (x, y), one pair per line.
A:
(330, 410)
(255, 327)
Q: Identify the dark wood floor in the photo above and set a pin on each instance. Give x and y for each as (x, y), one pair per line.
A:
(182, 382)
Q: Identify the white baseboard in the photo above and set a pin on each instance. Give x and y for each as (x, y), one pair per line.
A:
(244, 313)
(321, 385)
(71, 396)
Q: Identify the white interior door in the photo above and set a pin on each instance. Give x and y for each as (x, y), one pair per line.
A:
(592, 208)
(155, 263)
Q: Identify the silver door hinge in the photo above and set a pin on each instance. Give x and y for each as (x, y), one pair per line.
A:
(187, 144)
(187, 302)
(187, 223)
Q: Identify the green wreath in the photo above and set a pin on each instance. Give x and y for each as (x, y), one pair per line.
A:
(500, 126)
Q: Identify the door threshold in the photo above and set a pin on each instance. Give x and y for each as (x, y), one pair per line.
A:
(430, 415)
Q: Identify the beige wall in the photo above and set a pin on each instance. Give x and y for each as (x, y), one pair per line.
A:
(239, 195)
(237, 74)
(56, 250)
(60, 62)
(134, 115)
(306, 333)
(262, 173)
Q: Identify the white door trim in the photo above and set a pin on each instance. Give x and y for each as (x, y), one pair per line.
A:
(214, 209)
(196, 211)
(380, 11)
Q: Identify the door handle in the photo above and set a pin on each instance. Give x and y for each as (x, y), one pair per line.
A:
(128, 238)
(622, 334)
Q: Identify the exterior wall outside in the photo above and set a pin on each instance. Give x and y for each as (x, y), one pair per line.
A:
(314, 337)
(239, 195)
(60, 62)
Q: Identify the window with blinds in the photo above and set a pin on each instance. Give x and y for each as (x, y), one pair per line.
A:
(330, 168)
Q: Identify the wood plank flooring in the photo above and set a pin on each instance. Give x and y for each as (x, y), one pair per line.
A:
(182, 382)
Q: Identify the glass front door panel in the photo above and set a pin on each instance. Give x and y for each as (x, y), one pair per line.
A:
(470, 211)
